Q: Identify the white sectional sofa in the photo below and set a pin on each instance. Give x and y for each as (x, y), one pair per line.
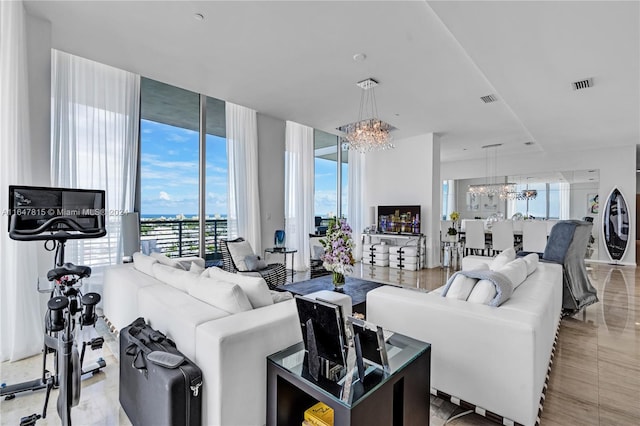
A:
(226, 323)
(495, 358)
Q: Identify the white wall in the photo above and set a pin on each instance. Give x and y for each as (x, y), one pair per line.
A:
(408, 175)
(271, 145)
(617, 168)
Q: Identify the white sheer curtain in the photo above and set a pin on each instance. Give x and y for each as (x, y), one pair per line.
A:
(243, 219)
(299, 181)
(356, 199)
(94, 145)
(21, 325)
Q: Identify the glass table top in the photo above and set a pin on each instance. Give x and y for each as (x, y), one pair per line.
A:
(348, 390)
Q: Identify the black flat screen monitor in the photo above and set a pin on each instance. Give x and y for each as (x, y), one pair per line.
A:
(38, 212)
(328, 328)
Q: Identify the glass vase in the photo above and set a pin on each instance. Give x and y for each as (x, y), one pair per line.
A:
(338, 281)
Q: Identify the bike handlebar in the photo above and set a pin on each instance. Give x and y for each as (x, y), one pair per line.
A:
(62, 234)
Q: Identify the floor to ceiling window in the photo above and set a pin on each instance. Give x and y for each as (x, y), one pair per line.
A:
(326, 176)
(169, 170)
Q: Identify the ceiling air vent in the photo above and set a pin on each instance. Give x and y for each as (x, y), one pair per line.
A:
(488, 99)
(582, 84)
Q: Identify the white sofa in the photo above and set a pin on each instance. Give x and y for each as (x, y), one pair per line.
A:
(495, 358)
(230, 348)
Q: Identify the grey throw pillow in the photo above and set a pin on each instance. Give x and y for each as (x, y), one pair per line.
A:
(254, 263)
(318, 252)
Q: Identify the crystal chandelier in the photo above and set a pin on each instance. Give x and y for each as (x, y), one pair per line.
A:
(505, 190)
(369, 133)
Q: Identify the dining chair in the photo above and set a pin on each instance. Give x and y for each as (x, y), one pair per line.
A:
(474, 236)
(534, 236)
(502, 236)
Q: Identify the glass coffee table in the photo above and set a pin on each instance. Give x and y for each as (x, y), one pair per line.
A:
(399, 396)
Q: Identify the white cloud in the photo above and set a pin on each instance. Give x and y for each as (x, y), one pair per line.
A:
(164, 196)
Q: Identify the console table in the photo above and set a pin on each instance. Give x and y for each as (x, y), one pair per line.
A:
(406, 239)
(399, 396)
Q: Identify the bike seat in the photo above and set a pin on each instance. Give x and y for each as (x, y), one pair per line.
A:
(69, 269)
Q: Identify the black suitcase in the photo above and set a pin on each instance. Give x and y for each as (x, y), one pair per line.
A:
(161, 387)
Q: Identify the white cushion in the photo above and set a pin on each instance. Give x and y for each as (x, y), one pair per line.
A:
(502, 259)
(143, 263)
(255, 288)
(239, 251)
(461, 286)
(317, 252)
(223, 295)
(188, 260)
(165, 260)
(196, 268)
(280, 296)
(483, 292)
(516, 271)
(175, 277)
(532, 262)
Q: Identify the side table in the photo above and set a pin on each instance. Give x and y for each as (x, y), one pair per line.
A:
(399, 396)
(284, 251)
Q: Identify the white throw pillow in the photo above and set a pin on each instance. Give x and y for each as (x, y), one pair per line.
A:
(143, 263)
(165, 260)
(255, 288)
(516, 271)
(224, 295)
(280, 296)
(502, 259)
(483, 292)
(175, 277)
(196, 268)
(239, 251)
(532, 262)
(461, 287)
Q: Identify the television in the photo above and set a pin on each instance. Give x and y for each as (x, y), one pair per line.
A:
(399, 219)
(37, 213)
(323, 333)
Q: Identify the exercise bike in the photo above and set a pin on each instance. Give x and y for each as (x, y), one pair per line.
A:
(67, 306)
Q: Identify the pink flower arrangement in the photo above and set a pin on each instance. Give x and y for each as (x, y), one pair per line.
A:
(338, 248)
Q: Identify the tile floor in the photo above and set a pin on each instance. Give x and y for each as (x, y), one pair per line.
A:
(595, 379)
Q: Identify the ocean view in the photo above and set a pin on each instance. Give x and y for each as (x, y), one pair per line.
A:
(179, 216)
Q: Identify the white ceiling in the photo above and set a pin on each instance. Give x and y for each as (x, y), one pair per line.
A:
(434, 60)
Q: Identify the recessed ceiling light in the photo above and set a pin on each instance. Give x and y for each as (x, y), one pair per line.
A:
(198, 16)
(359, 57)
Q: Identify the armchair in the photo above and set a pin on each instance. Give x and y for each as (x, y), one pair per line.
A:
(316, 265)
(274, 273)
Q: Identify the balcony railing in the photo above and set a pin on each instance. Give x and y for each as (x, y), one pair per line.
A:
(180, 237)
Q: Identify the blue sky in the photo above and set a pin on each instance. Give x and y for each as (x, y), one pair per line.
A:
(169, 174)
